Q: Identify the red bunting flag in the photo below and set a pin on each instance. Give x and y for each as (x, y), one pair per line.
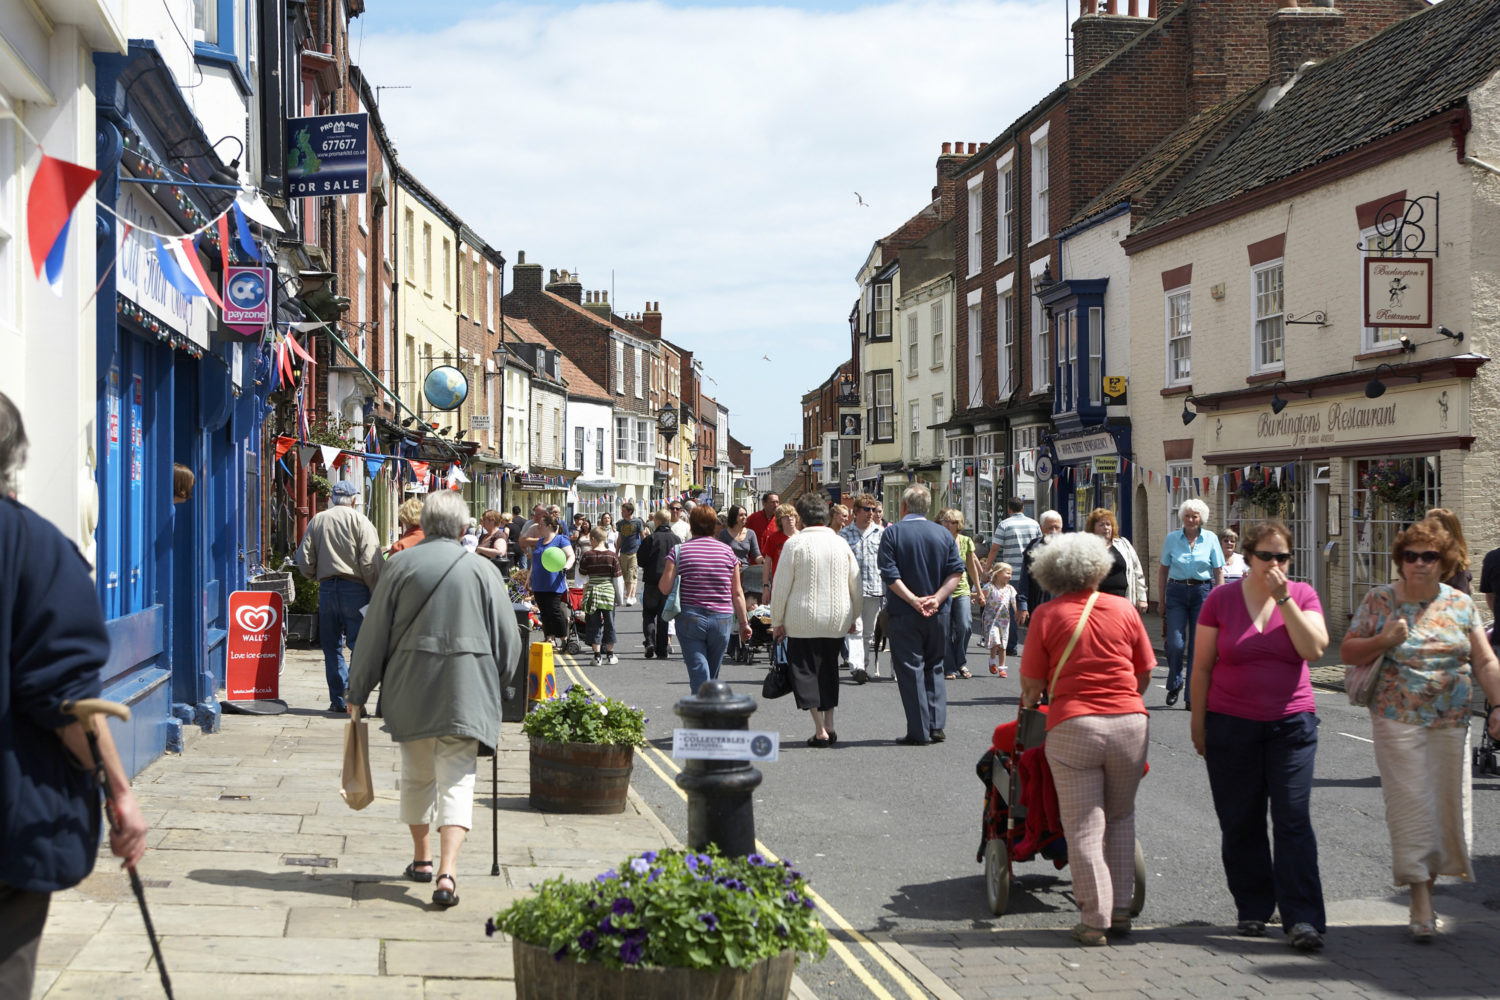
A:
(283, 445)
(55, 192)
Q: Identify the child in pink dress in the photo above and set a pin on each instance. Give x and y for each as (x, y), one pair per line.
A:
(999, 612)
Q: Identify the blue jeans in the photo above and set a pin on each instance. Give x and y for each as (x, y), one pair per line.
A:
(339, 602)
(960, 630)
(1252, 765)
(703, 636)
(1184, 601)
(601, 620)
(918, 649)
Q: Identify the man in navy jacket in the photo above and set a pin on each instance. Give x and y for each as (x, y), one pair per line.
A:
(52, 646)
(920, 566)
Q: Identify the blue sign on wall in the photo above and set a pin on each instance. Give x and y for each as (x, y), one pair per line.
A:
(327, 155)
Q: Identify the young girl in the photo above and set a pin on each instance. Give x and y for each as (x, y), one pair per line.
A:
(602, 568)
(999, 612)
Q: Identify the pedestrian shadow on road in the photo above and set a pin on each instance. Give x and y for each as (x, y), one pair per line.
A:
(346, 887)
(963, 899)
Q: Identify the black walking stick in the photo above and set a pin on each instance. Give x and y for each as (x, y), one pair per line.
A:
(84, 711)
(495, 813)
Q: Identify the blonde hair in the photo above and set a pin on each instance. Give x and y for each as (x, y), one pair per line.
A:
(598, 535)
(410, 513)
(785, 510)
(1001, 567)
(950, 514)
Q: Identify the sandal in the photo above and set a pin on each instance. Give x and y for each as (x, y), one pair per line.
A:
(1089, 937)
(1120, 923)
(413, 875)
(445, 897)
(964, 673)
(950, 677)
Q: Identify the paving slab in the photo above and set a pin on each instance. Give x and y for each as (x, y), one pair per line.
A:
(267, 986)
(484, 958)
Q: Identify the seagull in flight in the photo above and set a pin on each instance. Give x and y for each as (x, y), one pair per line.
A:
(862, 203)
(766, 357)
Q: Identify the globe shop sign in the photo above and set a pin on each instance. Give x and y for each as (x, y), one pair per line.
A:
(1417, 414)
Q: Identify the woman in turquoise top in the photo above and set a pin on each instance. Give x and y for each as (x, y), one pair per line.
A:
(1425, 634)
(1191, 562)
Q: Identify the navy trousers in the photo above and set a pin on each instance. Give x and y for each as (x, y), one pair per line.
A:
(1252, 765)
(918, 650)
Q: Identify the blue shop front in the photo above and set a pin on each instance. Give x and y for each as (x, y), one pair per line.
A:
(172, 399)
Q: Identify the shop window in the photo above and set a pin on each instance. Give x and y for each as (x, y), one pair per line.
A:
(1180, 475)
(1179, 306)
(1386, 495)
(1267, 316)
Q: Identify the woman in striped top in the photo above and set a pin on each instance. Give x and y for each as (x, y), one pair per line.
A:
(711, 597)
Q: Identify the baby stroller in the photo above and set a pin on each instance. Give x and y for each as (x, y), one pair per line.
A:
(576, 627)
(1020, 817)
(760, 634)
(1486, 751)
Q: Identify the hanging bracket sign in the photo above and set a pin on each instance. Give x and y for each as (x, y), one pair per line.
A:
(327, 155)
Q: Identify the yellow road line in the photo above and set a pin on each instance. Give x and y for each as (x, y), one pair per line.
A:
(874, 950)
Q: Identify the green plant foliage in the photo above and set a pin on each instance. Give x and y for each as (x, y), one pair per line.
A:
(578, 717)
(1393, 483)
(676, 909)
(306, 602)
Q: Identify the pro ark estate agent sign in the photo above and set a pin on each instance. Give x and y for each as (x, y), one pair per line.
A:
(327, 155)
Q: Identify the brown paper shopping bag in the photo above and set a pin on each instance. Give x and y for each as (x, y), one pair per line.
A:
(357, 788)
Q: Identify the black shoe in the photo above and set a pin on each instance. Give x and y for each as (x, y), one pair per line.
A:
(1252, 928)
(1305, 937)
(861, 676)
(1172, 697)
(938, 736)
(414, 875)
(445, 897)
(816, 741)
(908, 741)
(650, 653)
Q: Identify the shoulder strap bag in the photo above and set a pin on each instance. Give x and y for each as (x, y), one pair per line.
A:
(1031, 724)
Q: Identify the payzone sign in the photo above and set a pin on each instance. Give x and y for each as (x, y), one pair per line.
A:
(253, 665)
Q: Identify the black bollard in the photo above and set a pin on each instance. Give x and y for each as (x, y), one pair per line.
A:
(719, 804)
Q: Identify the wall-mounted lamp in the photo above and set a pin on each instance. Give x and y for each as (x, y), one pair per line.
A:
(1277, 403)
(1375, 388)
(408, 421)
(1407, 345)
(1444, 331)
(1188, 416)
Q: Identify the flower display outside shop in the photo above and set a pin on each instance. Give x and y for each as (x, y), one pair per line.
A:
(673, 909)
(1392, 482)
(579, 717)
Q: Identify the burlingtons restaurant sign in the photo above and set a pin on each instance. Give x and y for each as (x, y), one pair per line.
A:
(1402, 414)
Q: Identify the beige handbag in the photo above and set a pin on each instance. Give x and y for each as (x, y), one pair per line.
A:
(1031, 724)
(357, 787)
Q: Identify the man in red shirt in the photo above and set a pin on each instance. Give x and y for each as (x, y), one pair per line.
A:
(763, 521)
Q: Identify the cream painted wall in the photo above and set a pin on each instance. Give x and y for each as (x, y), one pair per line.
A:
(933, 375)
(427, 314)
(1096, 253)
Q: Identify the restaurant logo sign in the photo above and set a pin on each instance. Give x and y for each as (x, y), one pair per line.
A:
(1398, 292)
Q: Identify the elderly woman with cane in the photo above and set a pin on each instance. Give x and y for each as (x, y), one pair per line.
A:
(1191, 562)
(441, 641)
(1428, 645)
(1090, 654)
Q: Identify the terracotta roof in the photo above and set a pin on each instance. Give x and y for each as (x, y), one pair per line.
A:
(1408, 73)
(579, 384)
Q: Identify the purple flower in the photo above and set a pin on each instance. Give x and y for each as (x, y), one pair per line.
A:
(606, 876)
(588, 940)
(636, 934)
(489, 927)
(639, 865)
(709, 920)
(606, 926)
(649, 855)
(623, 906)
(792, 897)
(807, 902)
(631, 950)
(560, 954)
(691, 860)
(756, 860)
(654, 873)
(782, 931)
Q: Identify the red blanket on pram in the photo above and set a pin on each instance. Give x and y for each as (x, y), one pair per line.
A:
(1043, 823)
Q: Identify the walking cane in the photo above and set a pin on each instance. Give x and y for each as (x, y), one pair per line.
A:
(495, 813)
(84, 711)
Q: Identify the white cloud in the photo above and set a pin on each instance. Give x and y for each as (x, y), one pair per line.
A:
(709, 157)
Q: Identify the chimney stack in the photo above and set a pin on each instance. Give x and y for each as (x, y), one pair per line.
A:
(566, 285)
(945, 191)
(598, 304)
(1296, 35)
(1099, 34)
(526, 278)
(651, 319)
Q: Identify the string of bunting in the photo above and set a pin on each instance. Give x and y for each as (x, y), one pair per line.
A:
(333, 457)
(1232, 480)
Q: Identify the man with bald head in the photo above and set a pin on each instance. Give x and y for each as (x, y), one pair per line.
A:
(1032, 596)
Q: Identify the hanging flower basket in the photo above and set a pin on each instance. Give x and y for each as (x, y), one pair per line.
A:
(1391, 483)
(1269, 497)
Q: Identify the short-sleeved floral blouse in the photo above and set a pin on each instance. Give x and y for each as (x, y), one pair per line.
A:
(1425, 681)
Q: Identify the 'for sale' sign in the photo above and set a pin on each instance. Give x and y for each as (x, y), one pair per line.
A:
(254, 647)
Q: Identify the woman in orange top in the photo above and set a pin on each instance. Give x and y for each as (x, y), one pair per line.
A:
(1096, 723)
(409, 515)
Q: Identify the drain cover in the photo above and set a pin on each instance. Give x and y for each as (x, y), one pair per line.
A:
(234, 798)
(312, 862)
(156, 883)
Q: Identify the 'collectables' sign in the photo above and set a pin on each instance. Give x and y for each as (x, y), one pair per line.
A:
(327, 155)
(1398, 292)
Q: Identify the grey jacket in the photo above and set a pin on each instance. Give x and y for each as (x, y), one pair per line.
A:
(340, 541)
(442, 662)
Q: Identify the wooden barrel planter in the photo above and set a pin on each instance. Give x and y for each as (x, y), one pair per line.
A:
(592, 778)
(540, 977)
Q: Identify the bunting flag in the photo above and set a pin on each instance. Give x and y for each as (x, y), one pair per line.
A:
(283, 445)
(173, 273)
(250, 203)
(55, 192)
(373, 466)
(330, 456)
(292, 341)
(306, 453)
(194, 266)
(457, 472)
(419, 469)
(242, 230)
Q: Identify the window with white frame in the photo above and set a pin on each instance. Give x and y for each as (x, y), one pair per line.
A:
(640, 374)
(1376, 337)
(1179, 336)
(937, 334)
(883, 311)
(619, 368)
(1267, 315)
(1041, 347)
(578, 450)
(447, 271)
(541, 426)
(411, 253)
(976, 335)
(937, 418)
(427, 257)
(915, 409)
(1096, 355)
(1006, 207)
(880, 415)
(976, 220)
(1181, 488)
(1006, 321)
(1040, 181)
(623, 437)
(645, 430)
(599, 450)
(911, 344)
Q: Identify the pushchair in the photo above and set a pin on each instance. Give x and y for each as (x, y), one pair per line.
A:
(760, 634)
(576, 627)
(1020, 817)
(1487, 750)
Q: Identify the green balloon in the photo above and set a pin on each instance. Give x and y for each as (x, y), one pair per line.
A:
(553, 560)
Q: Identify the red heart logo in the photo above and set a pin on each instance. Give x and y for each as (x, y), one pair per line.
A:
(261, 619)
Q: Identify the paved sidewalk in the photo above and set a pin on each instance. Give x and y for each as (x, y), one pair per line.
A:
(262, 883)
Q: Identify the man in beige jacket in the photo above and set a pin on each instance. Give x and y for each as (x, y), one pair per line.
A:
(341, 551)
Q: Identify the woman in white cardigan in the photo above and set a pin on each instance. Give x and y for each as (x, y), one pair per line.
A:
(814, 600)
(1126, 577)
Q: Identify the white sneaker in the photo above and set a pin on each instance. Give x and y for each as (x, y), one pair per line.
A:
(598, 660)
(629, 601)
(611, 658)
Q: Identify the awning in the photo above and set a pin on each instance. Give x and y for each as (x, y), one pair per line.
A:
(601, 485)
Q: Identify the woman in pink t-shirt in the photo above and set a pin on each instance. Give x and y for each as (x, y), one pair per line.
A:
(1256, 726)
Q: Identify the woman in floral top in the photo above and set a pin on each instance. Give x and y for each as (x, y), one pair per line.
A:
(1426, 634)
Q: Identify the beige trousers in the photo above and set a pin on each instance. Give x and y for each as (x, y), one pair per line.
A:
(1424, 776)
(437, 776)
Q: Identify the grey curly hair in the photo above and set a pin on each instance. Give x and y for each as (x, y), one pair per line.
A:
(1070, 563)
(1194, 504)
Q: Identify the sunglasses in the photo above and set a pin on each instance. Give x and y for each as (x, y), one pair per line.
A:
(1281, 557)
(1425, 556)
(869, 510)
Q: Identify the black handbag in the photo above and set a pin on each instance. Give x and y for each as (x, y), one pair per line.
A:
(778, 682)
(1031, 724)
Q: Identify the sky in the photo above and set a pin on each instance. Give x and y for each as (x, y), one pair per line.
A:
(705, 155)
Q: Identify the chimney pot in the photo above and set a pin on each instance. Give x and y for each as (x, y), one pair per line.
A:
(973, 148)
(521, 257)
(947, 148)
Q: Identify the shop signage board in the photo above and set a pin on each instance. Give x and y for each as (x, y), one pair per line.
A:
(1087, 446)
(327, 155)
(849, 425)
(725, 744)
(1405, 413)
(480, 422)
(1114, 390)
(1106, 464)
(253, 668)
(1398, 292)
(247, 299)
(138, 275)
